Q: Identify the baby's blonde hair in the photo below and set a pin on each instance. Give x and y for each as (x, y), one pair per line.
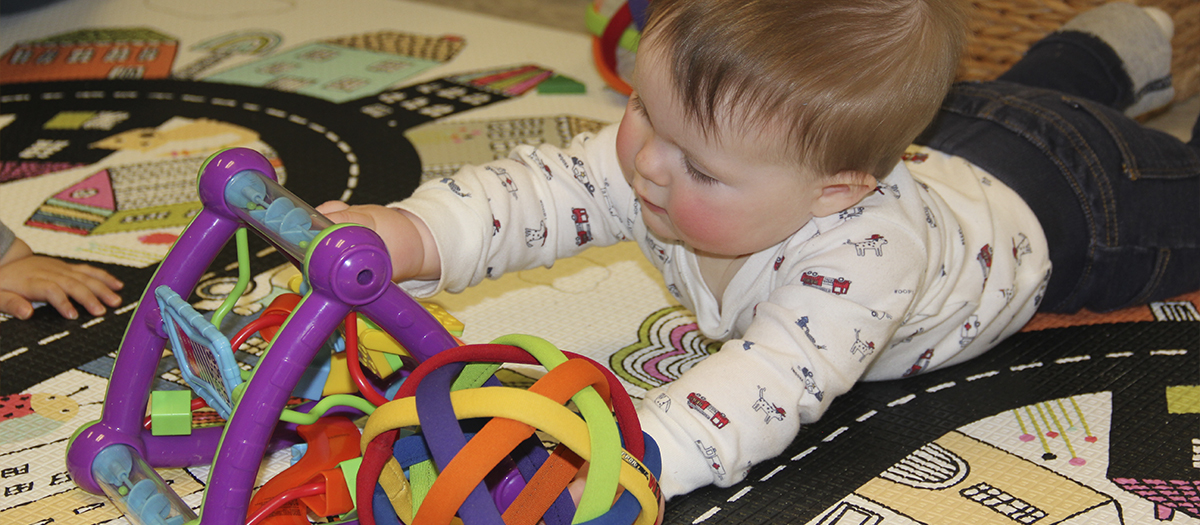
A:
(852, 82)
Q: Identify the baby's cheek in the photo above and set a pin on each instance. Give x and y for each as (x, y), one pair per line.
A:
(705, 227)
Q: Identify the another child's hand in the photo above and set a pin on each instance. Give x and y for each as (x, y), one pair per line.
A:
(409, 242)
(25, 277)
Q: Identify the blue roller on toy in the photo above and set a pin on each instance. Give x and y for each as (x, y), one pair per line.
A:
(294, 223)
(137, 490)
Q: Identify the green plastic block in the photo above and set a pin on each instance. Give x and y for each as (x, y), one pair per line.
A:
(350, 472)
(171, 412)
(559, 84)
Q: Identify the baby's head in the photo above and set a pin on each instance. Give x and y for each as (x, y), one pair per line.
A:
(810, 100)
(852, 82)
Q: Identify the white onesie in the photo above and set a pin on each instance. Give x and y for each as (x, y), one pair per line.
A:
(936, 266)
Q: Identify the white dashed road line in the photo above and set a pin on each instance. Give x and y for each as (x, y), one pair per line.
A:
(933, 389)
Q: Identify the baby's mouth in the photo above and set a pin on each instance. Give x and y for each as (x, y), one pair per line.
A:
(649, 206)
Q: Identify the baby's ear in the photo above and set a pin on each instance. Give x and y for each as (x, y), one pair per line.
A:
(842, 191)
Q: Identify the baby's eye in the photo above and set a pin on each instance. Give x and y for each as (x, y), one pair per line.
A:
(697, 175)
(636, 103)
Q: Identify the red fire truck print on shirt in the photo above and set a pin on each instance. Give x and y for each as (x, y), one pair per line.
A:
(834, 285)
(698, 403)
(583, 231)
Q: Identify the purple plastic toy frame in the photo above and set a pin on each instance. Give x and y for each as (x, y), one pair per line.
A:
(348, 269)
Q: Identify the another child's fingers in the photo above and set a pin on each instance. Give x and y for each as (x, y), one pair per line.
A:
(106, 279)
(103, 291)
(90, 293)
(15, 305)
(56, 296)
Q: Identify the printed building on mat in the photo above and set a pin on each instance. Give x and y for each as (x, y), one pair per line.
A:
(120, 53)
(959, 479)
(1171, 480)
(124, 198)
(345, 68)
(444, 148)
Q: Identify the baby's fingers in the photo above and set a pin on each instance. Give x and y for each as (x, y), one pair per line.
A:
(364, 215)
(328, 207)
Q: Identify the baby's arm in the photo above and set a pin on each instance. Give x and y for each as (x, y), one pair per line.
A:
(25, 277)
(531, 209)
(408, 240)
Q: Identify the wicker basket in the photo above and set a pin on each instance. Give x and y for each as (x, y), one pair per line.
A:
(1001, 30)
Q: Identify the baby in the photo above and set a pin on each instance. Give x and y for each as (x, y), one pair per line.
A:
(759, 168)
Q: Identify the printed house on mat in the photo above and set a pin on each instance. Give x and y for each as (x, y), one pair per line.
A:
(91, 54)
(124, 198)
(346, 68)
(960, 479)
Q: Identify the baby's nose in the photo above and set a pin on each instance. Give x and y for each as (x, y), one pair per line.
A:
(649, 166)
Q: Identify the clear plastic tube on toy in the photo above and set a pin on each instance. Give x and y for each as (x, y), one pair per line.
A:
(281, 216)
(137, 490)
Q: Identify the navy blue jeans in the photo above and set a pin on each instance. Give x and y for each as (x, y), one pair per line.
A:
(1119, 203)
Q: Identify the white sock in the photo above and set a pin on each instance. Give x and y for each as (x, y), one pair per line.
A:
(1141, 38)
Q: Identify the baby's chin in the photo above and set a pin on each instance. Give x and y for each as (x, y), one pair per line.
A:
(662, 231)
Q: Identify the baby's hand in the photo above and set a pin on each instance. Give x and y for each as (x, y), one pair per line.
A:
(409, 242)
(369, 215)
(575, 488)
(25, 277)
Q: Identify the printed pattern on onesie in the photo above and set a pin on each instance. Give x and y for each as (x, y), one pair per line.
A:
(1002, 276)
(904, 282)
(813, 314)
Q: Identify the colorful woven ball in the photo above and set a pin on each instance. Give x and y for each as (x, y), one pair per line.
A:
(421, 466)
(614, 23)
